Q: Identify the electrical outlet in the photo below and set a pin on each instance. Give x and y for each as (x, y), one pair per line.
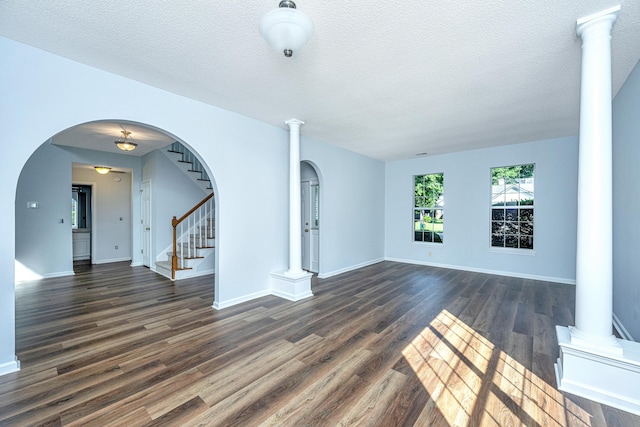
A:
(429, 253)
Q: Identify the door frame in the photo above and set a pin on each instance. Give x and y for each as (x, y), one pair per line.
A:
(310, 244)
(149, 239)
(305, 224)
(94, 206)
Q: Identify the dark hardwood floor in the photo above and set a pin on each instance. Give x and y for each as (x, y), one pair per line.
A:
(386, 345)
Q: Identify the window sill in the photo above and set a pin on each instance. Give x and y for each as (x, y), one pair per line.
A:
(513, 251)
(436, 244)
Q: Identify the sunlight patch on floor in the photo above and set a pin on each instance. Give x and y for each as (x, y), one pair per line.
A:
(470, 381)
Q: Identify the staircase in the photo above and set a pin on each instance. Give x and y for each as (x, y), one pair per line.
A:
(193, 250)
(190, 165)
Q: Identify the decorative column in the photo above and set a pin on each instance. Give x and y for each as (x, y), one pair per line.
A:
(593, 363)
(295, 283)
(594, 262)
(295, 210)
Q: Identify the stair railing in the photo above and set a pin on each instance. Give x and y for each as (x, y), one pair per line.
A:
(198, 219)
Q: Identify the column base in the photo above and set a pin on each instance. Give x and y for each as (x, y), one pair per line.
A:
(11, 366)
(609, 345)
(606, 377)
(293, 287)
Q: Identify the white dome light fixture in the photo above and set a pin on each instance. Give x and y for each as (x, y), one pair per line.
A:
(286, 29)
(102, 170)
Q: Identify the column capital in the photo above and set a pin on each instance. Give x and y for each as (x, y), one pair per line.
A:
(294, 123)
(607, 17)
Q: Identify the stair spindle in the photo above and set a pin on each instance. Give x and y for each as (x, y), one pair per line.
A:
(191, 226)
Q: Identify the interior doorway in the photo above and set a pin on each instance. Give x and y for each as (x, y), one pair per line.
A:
(310, 210)
(146, 223)
(82, 221)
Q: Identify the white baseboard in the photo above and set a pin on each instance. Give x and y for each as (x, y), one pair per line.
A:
(107, 261)
(21, 277)
(624, 333)
(137, 264)
(486, 271)
(8, 367)
(291, 297)
(58, 274)
(192, 274)
(219, 305)
(350, 268)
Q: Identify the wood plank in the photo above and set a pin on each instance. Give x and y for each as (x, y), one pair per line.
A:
(388, 344)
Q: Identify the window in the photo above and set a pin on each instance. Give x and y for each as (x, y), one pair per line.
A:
(512, 207)
(428, 210)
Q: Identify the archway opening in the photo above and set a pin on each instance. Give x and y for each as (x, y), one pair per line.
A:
(311, 224)
(112, 210)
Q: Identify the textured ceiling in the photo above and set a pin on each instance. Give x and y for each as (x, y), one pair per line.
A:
(101, 136)
(388, 80)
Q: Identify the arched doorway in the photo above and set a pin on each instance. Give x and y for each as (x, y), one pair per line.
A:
(67, 211)
(310, 198)
(50, 93)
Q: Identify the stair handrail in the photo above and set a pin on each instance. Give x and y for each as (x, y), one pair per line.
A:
(174, 223)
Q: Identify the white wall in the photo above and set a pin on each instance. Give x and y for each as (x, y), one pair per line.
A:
(173, 194)
(626, 204)
(113, 203)
(43, 235)
(248, 158)
(351, 206)
(467, 189)
(43, 242)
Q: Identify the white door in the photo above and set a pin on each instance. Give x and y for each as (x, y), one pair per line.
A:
(314, 215)
(146, 223)
(305, 188)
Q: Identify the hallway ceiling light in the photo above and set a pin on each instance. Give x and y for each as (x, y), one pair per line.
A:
(102, 170)
(286, 29)
(125, 143)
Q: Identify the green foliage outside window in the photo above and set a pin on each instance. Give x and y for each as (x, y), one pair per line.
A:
(428, 211)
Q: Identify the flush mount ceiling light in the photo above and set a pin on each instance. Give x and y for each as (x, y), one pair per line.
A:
(125, 143)
(102, 170)
(286, 29)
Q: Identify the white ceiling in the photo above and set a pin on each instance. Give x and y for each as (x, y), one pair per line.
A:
(385, 79)
(101, 136)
